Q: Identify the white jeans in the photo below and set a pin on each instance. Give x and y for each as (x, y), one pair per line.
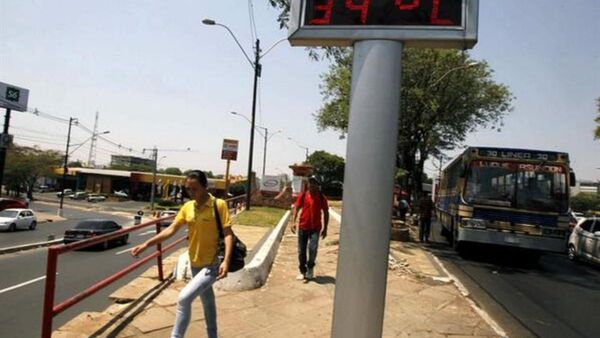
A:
(200, 285)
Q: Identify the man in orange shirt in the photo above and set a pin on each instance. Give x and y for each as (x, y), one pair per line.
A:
(312, 202)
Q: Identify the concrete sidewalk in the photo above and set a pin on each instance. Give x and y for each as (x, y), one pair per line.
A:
(421, 302)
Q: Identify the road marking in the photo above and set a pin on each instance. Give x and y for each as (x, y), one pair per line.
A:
(147, 233)
(22, 284)
(467, 296)
(123, 251)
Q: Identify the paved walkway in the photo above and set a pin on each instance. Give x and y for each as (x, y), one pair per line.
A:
(420, 302)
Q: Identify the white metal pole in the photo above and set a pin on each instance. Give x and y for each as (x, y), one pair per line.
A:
(368, 186)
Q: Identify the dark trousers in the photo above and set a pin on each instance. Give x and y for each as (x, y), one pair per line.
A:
(425, 227)
(307, 239)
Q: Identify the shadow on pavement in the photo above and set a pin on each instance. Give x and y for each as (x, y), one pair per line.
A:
(322, 280)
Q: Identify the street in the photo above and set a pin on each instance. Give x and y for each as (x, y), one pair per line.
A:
(22, 275)
(553, 298)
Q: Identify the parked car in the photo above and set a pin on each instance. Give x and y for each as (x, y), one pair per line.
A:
(79, 195)
(584, 241)
(9, 203)
(121, 193)
(13, 219)
(43, 188)
(92, 228)
(67, 192)
(574, 219)
(95, 198)
(166, 213)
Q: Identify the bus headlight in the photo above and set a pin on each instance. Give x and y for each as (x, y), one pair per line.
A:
(474, 223)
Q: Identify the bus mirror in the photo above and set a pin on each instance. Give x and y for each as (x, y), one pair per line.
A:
(572, 179)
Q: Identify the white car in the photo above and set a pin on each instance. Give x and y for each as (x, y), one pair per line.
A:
(585, 240)
(95, 198)
(166, 213)
(121, 193)
(67, 192)
(13, 219)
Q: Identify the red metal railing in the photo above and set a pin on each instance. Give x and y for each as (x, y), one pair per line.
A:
(50, 310)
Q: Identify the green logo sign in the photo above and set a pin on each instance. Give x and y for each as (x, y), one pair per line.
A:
(12, 94)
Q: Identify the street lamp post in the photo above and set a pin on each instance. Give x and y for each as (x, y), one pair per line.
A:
(65, 168)
(301, 146)
(257, 72)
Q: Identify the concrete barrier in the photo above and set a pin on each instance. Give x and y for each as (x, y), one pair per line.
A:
(255, 273)
(29, 246)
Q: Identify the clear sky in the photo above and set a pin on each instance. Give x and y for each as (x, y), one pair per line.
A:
(159, 77)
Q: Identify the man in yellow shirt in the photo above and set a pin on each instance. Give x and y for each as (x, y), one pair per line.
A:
(203, 240)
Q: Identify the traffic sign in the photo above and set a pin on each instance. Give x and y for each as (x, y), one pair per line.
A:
(13, 97)
(230, 150)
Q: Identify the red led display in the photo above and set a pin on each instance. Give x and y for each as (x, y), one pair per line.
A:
(384, 12)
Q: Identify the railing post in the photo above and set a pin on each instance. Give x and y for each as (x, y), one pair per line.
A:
(159, 257)
(48, 311)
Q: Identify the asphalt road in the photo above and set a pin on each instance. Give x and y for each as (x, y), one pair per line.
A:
(22, 281)
(551, 298)
(57, 229)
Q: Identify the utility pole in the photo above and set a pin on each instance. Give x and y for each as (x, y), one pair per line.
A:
(257, 71)
(65, 168)
(154, 168)
(92, 156)
(265, 151)
(3, 148)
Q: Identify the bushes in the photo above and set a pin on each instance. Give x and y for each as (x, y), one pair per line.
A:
(585, 202)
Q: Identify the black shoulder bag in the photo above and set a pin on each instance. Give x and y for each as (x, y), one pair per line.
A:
(239, 250)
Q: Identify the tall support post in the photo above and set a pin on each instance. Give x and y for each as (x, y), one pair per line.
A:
(65, 169)
(154, 168)
(257, 70)
(368, 187)
(3, 150)
(227, 177)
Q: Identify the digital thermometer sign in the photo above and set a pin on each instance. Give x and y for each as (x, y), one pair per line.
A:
(423, 23)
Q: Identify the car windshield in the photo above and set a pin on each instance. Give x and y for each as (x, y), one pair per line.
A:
(94, 225)
(8, 213)
(523, 186)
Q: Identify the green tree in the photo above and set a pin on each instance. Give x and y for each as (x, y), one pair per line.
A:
(173, 171)
(585, 202)
(439, 107)
(597, 119)
(329, 169)
(75, 164)
(25, 165)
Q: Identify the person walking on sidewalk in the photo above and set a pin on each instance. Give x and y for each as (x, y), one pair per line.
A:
(425, 213)
(312, 202)
(199, 215)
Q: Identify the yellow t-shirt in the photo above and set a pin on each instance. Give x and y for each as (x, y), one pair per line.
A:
(202, 229)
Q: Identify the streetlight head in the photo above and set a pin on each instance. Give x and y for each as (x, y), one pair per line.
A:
(208, 22)
(105, 132)
(234, 113)
(472, 64)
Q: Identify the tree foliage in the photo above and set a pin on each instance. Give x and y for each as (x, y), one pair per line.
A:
(329, 170)
(25, 165)
(585, 202)
(173, 171)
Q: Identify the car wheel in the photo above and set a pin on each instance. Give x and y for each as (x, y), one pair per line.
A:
(32, 225)
(571, 253)
(12, 227)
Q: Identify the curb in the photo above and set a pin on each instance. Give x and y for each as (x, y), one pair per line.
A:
(254, 274)
(29, 246)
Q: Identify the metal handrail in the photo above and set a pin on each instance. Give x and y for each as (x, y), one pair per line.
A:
(50, 310)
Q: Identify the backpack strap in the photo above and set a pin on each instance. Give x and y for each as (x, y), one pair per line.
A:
(218, 217)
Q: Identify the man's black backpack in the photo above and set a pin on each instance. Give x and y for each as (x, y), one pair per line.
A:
(239, 251)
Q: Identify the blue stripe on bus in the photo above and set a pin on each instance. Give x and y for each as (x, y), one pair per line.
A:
(514, 217)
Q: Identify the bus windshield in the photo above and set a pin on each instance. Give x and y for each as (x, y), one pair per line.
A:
(537, 187)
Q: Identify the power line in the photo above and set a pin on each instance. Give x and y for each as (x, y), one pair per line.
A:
(253, 31)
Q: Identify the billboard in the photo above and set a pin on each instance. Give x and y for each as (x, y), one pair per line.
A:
(230, 149)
